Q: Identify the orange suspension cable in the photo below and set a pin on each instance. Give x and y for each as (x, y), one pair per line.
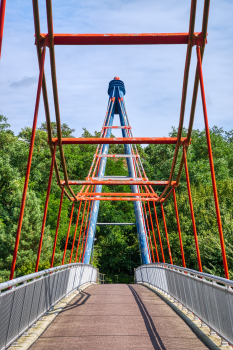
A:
(165, 228)
(160, 240)
(191, 209)
(68, 233)
(58, 222)
(148, 229)
(76, 226)
(84, 231)
(178, 227)
(28, 165)
(80, 232)
(45, 209)
(155, 244)
(224, 257)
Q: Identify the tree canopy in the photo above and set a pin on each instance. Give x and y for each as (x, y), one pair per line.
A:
(116, 248)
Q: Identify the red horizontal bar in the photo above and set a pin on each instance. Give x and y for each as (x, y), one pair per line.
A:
(118, 39)
(133, 199)
(116, 127)
(96, 194)
(119, 140)
(118, 182)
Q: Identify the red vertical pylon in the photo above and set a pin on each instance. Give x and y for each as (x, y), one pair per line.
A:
(58, 222)
(224, 257)
(191, 209)
(166, 233)
(178, 226)
(45, 208)
(28, 164)
(2, 17)
(68, 233)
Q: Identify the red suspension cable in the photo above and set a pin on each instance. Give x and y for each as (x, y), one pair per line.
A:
(178, 227)
(160, 240)
(68, 233)
(28, 165)
(166, 233)
(224, 257)
(58, 222)
(76, 226)
(45, 208)
(191, 209)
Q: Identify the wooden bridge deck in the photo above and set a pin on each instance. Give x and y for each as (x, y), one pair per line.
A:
(118, 316)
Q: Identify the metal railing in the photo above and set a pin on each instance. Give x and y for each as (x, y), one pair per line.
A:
(29, 297)
(208, 297)
(101, 278)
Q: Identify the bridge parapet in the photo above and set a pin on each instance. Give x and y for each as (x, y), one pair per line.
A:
(30, 296)
(208, 297)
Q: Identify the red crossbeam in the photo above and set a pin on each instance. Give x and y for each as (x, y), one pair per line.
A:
(119, 39)
(117, 182)
(119, 140)
(96, 194)
(131, 199)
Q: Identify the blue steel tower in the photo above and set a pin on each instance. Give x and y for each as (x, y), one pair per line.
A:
(116, 105)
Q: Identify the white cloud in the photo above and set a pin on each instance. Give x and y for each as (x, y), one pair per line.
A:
(153, 75)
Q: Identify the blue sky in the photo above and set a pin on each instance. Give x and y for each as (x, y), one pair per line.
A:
(152, 75)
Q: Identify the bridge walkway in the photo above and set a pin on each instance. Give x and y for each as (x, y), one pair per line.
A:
(118, 316)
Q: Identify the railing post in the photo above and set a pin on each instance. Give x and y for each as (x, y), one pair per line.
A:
(28, 164)
(212, 163)
(178, 227)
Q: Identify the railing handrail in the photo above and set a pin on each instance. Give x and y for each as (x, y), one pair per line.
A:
(190, 271)
(31, 276)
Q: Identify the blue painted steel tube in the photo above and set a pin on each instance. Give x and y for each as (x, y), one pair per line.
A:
(137, 205)
(95, 207)
(117, 89)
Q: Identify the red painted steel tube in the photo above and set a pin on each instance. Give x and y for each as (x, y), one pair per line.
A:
(191, 209)
(160, 240)
(224, 257)
(84, 231)
(123, 194)
(57, 227)
(148, 229)
(178, 227)
(165, 228)
(152, 226)
(119, 140)
(2, 17)
(80, 232)
(45, 209)
(76, 226)
(118, 182)
(28, 165)
(68, 233)
(119, 39)
(131, 199)
(87, 230)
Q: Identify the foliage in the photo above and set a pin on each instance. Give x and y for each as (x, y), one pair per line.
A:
(116, 249)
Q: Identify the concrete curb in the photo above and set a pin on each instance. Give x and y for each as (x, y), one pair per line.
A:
(213, 342)
(27, 339)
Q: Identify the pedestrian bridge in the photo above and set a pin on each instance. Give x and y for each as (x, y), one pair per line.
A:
(145, 314)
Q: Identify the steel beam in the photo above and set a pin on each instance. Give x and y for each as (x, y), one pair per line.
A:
(119, 141)
(119, 39)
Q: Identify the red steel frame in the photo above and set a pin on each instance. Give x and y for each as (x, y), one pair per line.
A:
(68, 233)
(2, 17)
(51, 39)
(45, 209)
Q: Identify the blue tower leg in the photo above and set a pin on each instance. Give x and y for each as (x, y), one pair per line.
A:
(95, 207)
(117, 89)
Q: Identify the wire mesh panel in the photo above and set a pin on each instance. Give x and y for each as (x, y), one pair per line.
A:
(208, 297)
(29, 297)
